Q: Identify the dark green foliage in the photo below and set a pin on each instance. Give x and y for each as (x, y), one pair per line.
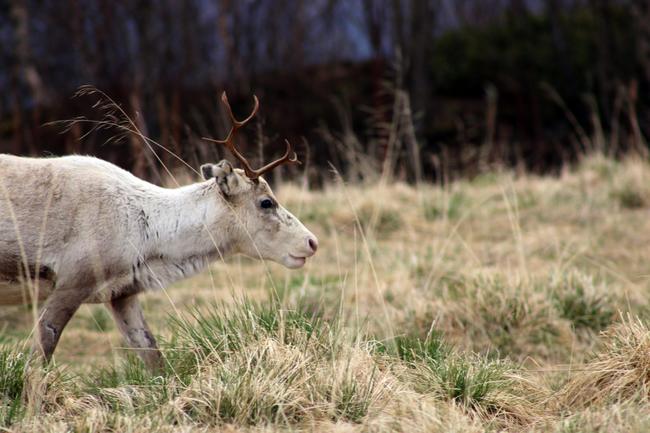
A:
(13, 366)
(521, 51)
(460, 377)
(584, 310)
(430, 350)
(467, 382)
(353, 402)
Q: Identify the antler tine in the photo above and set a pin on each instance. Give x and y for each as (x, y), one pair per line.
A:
(251, 173)
(239, 123)
(286, 158)
(236, 124)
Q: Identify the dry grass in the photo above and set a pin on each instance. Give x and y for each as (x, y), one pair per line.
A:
(507, 302)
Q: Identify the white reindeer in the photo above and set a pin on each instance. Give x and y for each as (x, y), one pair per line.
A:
(77, 229)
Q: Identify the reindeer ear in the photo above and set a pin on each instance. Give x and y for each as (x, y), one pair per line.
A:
(206, 171)
(224, 175)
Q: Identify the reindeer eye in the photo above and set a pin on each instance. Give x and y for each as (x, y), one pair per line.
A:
(267, 203)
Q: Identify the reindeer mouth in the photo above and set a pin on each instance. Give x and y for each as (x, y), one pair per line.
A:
(295, 262)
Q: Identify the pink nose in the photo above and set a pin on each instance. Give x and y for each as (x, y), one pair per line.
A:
(313, 244)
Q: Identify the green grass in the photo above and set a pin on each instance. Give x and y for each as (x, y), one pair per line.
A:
(412, 349)
(100, 320)
(450, 207)
(585, 310)
(222, 331)
(380, 220)
(469, 382)
(13, 364)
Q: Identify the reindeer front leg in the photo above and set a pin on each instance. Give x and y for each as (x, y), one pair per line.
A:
(128, 316)
(56, 314)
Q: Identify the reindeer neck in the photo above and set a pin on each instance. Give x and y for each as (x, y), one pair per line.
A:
(179, 222)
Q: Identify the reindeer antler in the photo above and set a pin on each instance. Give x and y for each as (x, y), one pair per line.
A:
(289, 157)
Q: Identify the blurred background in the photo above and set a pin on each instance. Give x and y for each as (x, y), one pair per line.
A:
(415, 89)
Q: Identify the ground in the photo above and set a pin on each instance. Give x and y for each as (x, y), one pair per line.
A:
(508, 302)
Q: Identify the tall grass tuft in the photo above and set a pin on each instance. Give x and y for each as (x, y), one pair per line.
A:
(619, 372)
(412, 349)
(258, 364)
(584, 310)
(13, 365)
(470, 383)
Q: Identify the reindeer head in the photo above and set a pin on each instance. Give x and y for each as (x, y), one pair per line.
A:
(266, 229)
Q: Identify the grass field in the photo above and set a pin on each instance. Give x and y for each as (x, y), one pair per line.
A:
(514, 303)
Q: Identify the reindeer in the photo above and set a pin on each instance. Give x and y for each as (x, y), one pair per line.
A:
(77, 229)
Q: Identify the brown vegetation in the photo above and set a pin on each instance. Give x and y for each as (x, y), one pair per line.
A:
(507, 302)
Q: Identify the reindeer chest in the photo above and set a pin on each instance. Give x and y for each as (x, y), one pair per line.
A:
(158, 272)
(151, 274)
